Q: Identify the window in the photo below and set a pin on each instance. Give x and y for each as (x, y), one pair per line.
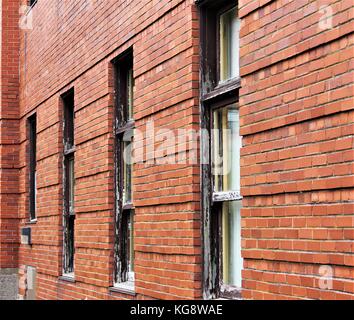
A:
(226, 145)
(226, 196)
(124, 128)
(69, 183)
(222, 199)
(229, 25)
(32, 124)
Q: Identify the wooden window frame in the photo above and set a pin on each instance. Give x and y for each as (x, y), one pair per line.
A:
(123, 211)
(32, 134)
(213, 94)
(225, 8)
(218, 198)
(68, 100)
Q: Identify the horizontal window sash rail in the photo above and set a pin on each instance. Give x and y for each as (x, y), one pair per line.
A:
(125, 127)
(227, 196)
(69, 151)
(223, 88)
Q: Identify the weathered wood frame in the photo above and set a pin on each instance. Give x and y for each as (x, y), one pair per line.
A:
(213, 95)
(68, 155)
(122, 128)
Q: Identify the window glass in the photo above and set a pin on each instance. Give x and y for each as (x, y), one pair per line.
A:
(231, 243)
(229, 45)
(71, 184)
(226, 149)
(70, 247)
(69, 123)
(130, 244)
(127, 172)
(130, 94)
(33, 217)
(33, 167)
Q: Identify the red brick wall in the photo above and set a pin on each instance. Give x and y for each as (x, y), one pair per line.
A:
(297, 162)
(78, 39)
(9, 133)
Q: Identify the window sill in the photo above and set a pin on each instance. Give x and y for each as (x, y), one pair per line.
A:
(124, 287)
(67, 278)
(34, 221)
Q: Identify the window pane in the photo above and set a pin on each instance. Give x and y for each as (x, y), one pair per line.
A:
(69, 116)
(231, 243)
(130, 242)
(130, 94)
(71, 185)
(69, 244)
(33, 167)
(229, 45)
(226, 149)
(127, 172)
(33, 216)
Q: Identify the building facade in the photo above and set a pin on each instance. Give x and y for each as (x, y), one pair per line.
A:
(176, 149)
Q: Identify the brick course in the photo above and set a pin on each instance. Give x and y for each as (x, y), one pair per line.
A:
(297, 120)
(9, 134)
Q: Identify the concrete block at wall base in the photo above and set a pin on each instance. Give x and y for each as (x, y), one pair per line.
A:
(8, 284)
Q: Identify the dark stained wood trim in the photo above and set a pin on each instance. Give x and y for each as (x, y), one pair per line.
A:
(70, 151)
(228, 87)
(68, 103)
(126, 127)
